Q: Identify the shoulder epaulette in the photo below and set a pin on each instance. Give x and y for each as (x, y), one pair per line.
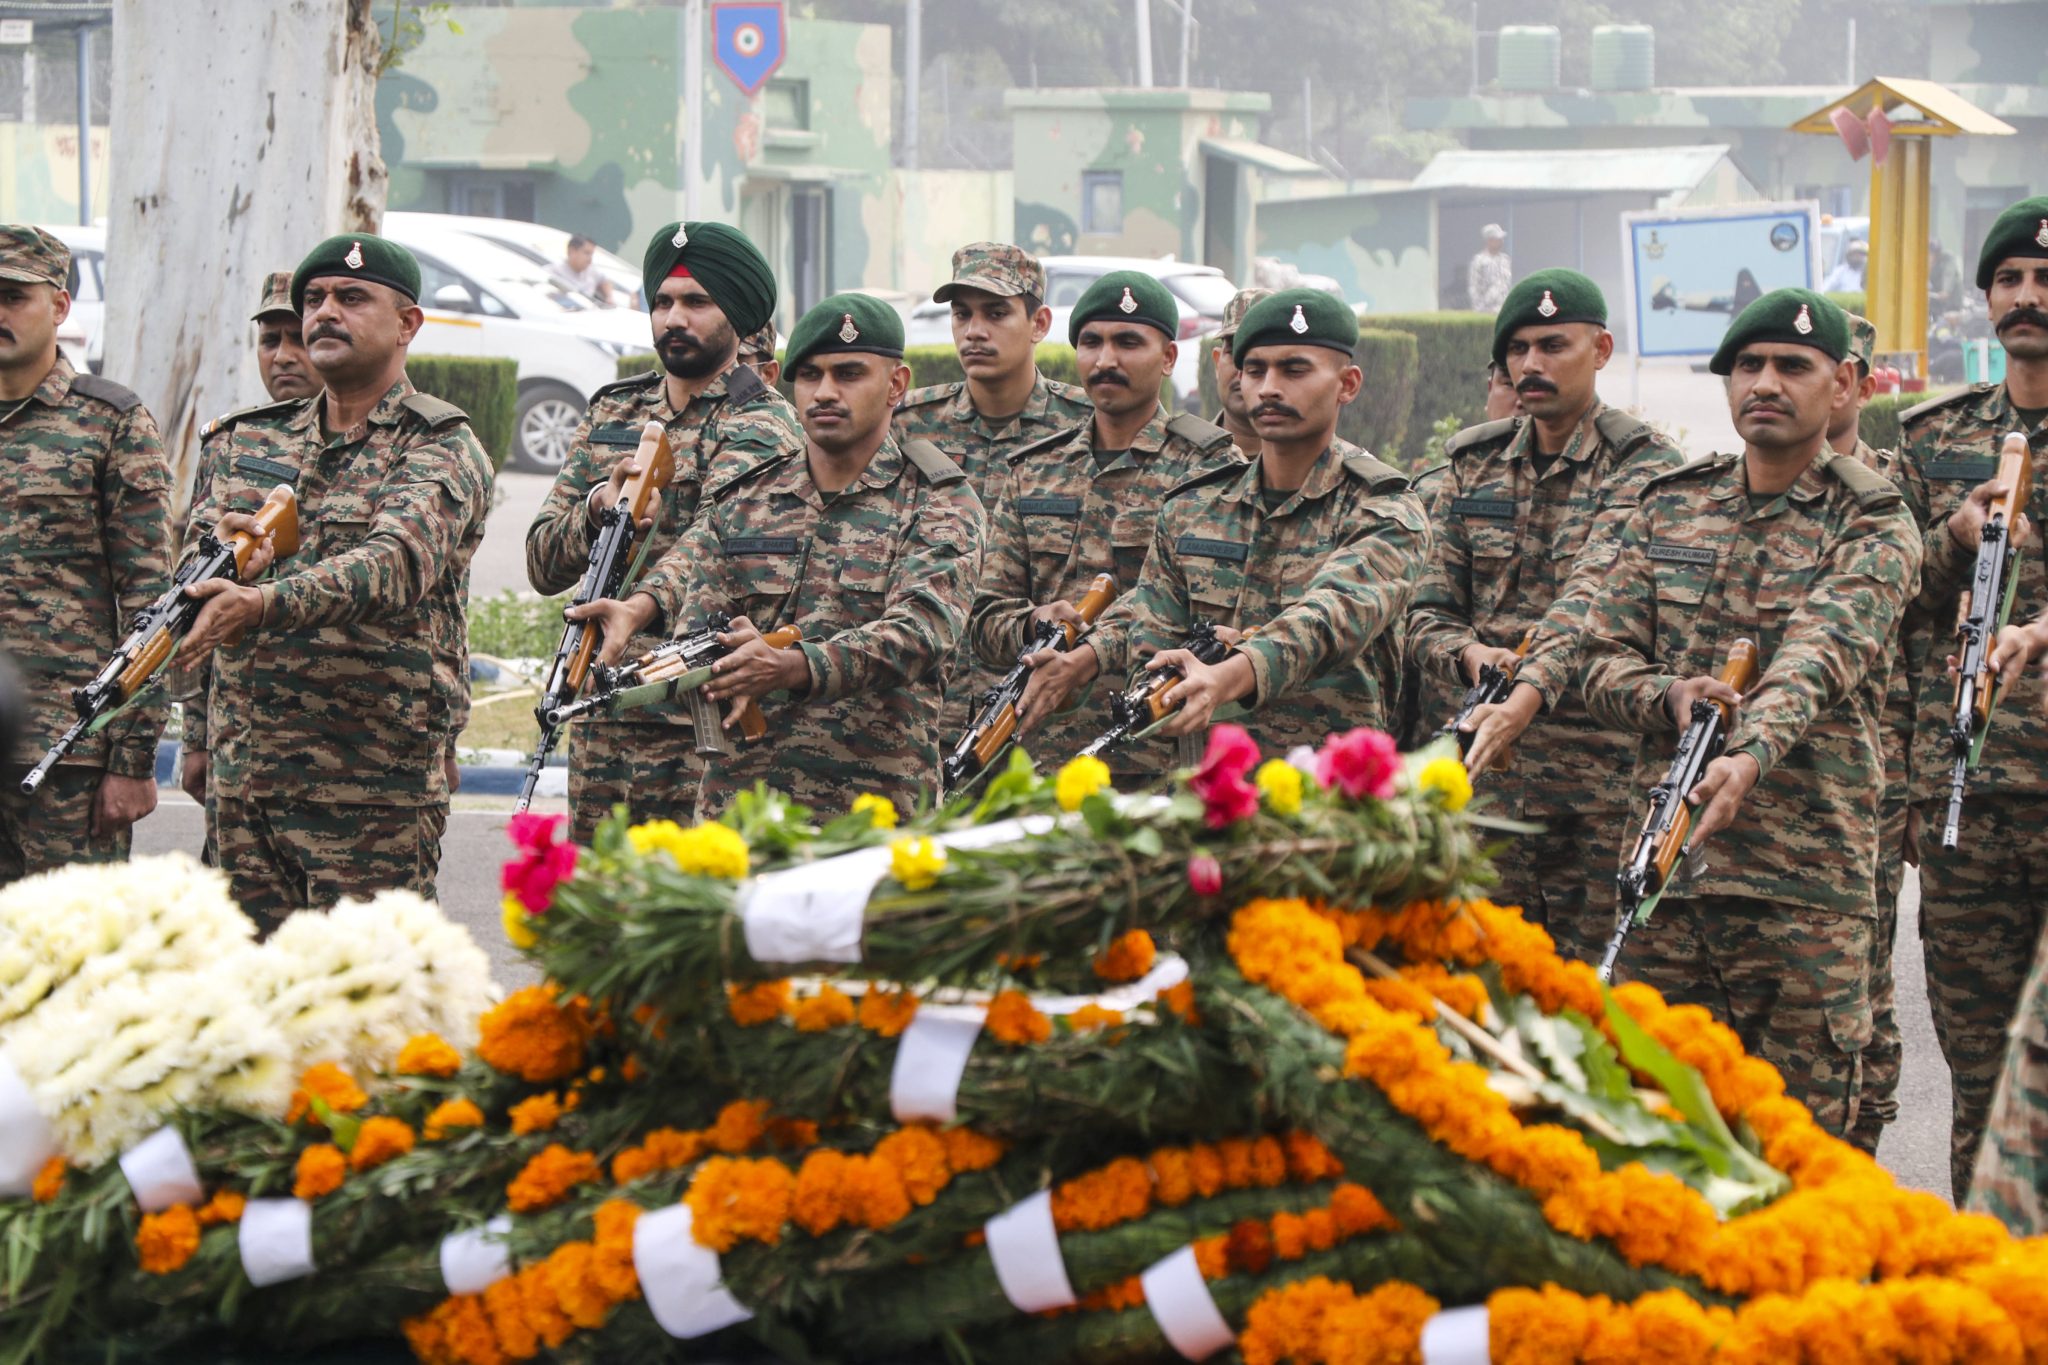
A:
(117, 396)
(1690, 468)
(1622, 431)
(1042, 444)
(1473, 436)
(935, 464)
(1375, 473)
(1435, 471)
(1871, 488)
(1198, 433)
(227, 420)
(631, 381)
(930, 393)
(714, 490)
(1919, 410)
(744, 385)
(1228, 469)
(435, 412)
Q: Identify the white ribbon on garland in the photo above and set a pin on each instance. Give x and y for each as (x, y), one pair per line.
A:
(476, 1258)
(161, 1171)
(27, 1141)
(276, 1240)
(681, 1280)
(931, 1056)
(1457, 1336)
(1024, 1247)
(1184, 1308)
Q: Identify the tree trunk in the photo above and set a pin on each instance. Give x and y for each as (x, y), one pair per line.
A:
(238, 143)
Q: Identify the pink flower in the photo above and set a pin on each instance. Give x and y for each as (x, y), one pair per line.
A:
(543, 864)
(1360, 762)
(1205, 875)
(1219, 781)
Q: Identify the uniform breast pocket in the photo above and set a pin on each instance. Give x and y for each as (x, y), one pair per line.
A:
(1680, 589)
(344, 523)
(863, 589)
(1213, 590)
(1050, 525)
(1130, 540)
(58, 515)
(1783, 586)
(765, 582)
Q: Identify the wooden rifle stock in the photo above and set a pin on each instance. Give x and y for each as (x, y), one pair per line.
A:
(997, 737)
(2016, 472)
(657, 470)
(1739, 672)
(1156, 702)
(710, 726)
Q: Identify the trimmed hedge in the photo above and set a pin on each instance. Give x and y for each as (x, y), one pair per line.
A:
(1850, 302)
(1878, 424)
(630, 365)
(1378, 418)
(486, 389)
(928, 364)
(1453, 351)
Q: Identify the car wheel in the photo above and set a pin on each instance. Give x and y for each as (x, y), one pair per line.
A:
(546, 423)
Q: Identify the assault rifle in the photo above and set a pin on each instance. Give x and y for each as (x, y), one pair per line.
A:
(1985, 607)
(679, 668)
(1495, 683)
(994, 727)
(1142, 707)
(155, 634)
(611, 560)
(1660, 848)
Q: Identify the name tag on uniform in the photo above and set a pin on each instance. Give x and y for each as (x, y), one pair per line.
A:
(256, 467)
(1048, 507)
(1497, 509)
(1680, 554)
(615, 434)
(758, 545)
(1201, 548)
(1962, 471)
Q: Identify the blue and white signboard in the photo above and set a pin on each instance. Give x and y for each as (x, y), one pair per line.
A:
(748, 42)
(1690, 271)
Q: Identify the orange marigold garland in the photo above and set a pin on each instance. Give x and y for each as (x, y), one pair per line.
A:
(1128, 957)
(1318, 1321)
(378, 1141)
(320, 1170)
(428, 1054)
(535, 1114)
(531, 1035)
(49, 1181)
(225, 1207)
(1013, 1019)
(548, 1177)
(330, 1085)
(886, 1013)
(167, 1240)
(451, 1116)
(758, 1004)
(828, 1009)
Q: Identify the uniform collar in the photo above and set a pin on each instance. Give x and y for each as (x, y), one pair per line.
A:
(1813, 481)
(1327, 473)
(56, 385)
(387, 413)
(1997, 406)
(1035, 412)
(1584, 439)
(794, 475)
(1150, 440)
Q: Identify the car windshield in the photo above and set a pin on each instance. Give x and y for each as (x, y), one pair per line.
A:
(509, 284)
(1208, 295)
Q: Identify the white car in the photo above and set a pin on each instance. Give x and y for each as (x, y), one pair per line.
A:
(1201, 292)
(537, 242)
(482, 299)
(82, 338)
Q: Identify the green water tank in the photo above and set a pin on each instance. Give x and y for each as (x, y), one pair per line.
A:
(1624, 57)
(1530, 57)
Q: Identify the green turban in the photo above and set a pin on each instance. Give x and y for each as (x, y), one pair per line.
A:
(2021, 230)
(1306, 317)
(1125, 296)
(358, 257)
(1799, 317)
(845, 322)
(732, 270)
(1548, 296)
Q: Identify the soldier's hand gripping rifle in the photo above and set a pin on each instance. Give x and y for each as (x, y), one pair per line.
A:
(155, 634)
(678, 668)
(1985, 607)
(1660, 848)
(1495, 682)
(1144, 706)
(611, 560)
(994, 727)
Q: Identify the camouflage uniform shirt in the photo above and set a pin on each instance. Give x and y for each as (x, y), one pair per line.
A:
(1060, 518)
(2011, 1181)
(343, 694)
(1818, 577)
(1326, 577)
(87, 545)
(734, 424)
(878, 578)
(1518, 550)
(944, 415)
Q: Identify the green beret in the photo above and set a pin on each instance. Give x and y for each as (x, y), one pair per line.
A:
(845, 322)
(732, 270)
(360, 257)
(1126, 296)
(1798, 316)
(1548, 296)
(2021, 230)
(1307, 317)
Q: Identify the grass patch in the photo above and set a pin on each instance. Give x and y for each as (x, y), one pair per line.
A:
(516, 625)
(506, 724)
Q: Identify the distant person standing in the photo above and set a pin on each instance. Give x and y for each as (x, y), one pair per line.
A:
(577, 273)
(1491, 273)
(1847, 276)
(1944, 279)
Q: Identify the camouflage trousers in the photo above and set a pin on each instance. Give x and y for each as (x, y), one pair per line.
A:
(53, 827)
(282, 856)
(653, 770)
(2011, 1178)
(1793, 983)
(1563, 879)
(1980, 918)
(1885, 1057)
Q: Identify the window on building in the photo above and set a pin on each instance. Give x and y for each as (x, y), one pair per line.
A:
(787, 104)
(1102, 201)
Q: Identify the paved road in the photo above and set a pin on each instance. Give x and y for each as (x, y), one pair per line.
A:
(500, 561)
(1915, 1149)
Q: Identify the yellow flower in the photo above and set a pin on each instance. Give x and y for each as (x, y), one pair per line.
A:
(881, 809)
(1447, 776)
(517, 931)
(1080, 779)
(711, 850)
(916, 863)
(653, 836)
(1280, 783)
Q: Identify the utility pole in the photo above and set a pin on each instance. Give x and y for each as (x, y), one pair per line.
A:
(693, 103)
(1144, 8)
(1187, 38)
(83, 33)
(913, 81)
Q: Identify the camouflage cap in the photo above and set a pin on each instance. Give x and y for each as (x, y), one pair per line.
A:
(277, 296)
(759, 344)
(32, 256)
(1233, 312)
(994, 268)
(1862, 340)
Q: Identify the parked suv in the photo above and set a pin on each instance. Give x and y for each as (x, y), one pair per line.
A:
(82, 337)
(537, 242)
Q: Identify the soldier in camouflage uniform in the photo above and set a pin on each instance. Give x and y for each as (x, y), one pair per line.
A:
(1424, 702)
(1084, 502)
(1235, 415)
(1981, 903)
(721, 417)
(1316, 544)
(869, 546)
(2010, 1180)
(333, 694)
(86, 544)
(1531, 505)
(757, 353)
(997, 295)
(1812, 556)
